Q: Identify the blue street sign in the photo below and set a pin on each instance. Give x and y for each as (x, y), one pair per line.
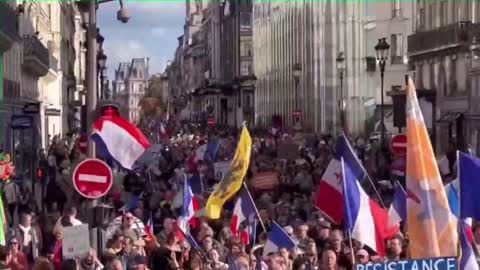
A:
(449, 263)
(21, 121)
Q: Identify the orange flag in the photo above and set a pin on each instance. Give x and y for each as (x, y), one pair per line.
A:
(431, 224)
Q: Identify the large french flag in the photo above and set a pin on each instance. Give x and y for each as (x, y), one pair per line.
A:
(365, 220)
(329, 197)
(119, 140)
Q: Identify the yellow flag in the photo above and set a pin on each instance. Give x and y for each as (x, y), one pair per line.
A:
(431, 224)
(233, 180)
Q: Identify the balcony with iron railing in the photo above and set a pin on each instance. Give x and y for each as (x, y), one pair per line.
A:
(441, 38)
(36, 57)
(8, 27)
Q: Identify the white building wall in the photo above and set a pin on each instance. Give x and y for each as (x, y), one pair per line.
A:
(312, 34)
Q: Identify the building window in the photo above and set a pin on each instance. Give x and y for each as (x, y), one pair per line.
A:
(453, 76)
(443, 13)
(430, 15)
(396, 49)
(371, 63)
(245, 21)
(245, 48)
(421, 15)
(432, 76)
(396, 8)
(246, 68)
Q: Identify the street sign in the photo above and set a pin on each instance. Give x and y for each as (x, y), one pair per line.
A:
(92, 178)
(21, 121)
(211, 121)
(399, 145)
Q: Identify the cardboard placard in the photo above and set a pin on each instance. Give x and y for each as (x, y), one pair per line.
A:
(288, 151)
(265, 181)
(76, 241)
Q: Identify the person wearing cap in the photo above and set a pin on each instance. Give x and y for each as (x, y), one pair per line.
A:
(362, 256)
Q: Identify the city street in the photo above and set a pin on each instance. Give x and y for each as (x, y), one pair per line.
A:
(239, 135)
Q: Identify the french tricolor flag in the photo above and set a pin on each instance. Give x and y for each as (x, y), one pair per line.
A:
(190, 205)
(244, 210)
(277, 239)
(149, 227)
(329, 197)
(398, 208)
(120, 140)
(365, 220)
(468, 260)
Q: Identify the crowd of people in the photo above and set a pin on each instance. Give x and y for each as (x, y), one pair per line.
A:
(147, 205)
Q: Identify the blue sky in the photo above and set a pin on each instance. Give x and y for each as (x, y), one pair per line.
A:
(152, 32)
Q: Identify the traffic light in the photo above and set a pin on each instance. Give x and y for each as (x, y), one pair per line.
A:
(41, 175)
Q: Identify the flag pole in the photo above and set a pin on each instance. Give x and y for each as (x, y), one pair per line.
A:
(405, 193)
(364, 171)
(345, 198)
(459, 220)
(256, 210)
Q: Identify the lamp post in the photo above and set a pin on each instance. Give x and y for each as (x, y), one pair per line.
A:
(102, 61)
(341, 103)
(297, 73)
(382, 48)
(92, 33)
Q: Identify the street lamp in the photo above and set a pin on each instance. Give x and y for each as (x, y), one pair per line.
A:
(101, 62)
(382, 55)
(90, 8)
(297, 72)
(341, 103)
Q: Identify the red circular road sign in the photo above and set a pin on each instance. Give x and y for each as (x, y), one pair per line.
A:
(211, 122)
(92, 178)
(399, 145)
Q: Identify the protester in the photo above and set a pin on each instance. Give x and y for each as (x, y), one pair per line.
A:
(19, 259)
(148, 204)
(28, 237)
(91, 262)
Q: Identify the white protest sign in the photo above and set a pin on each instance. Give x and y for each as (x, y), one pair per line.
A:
(76, 241)
(220, 169)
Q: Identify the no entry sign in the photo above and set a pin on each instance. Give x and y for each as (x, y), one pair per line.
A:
(211, 122)
(92, 178)
(399, 145)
